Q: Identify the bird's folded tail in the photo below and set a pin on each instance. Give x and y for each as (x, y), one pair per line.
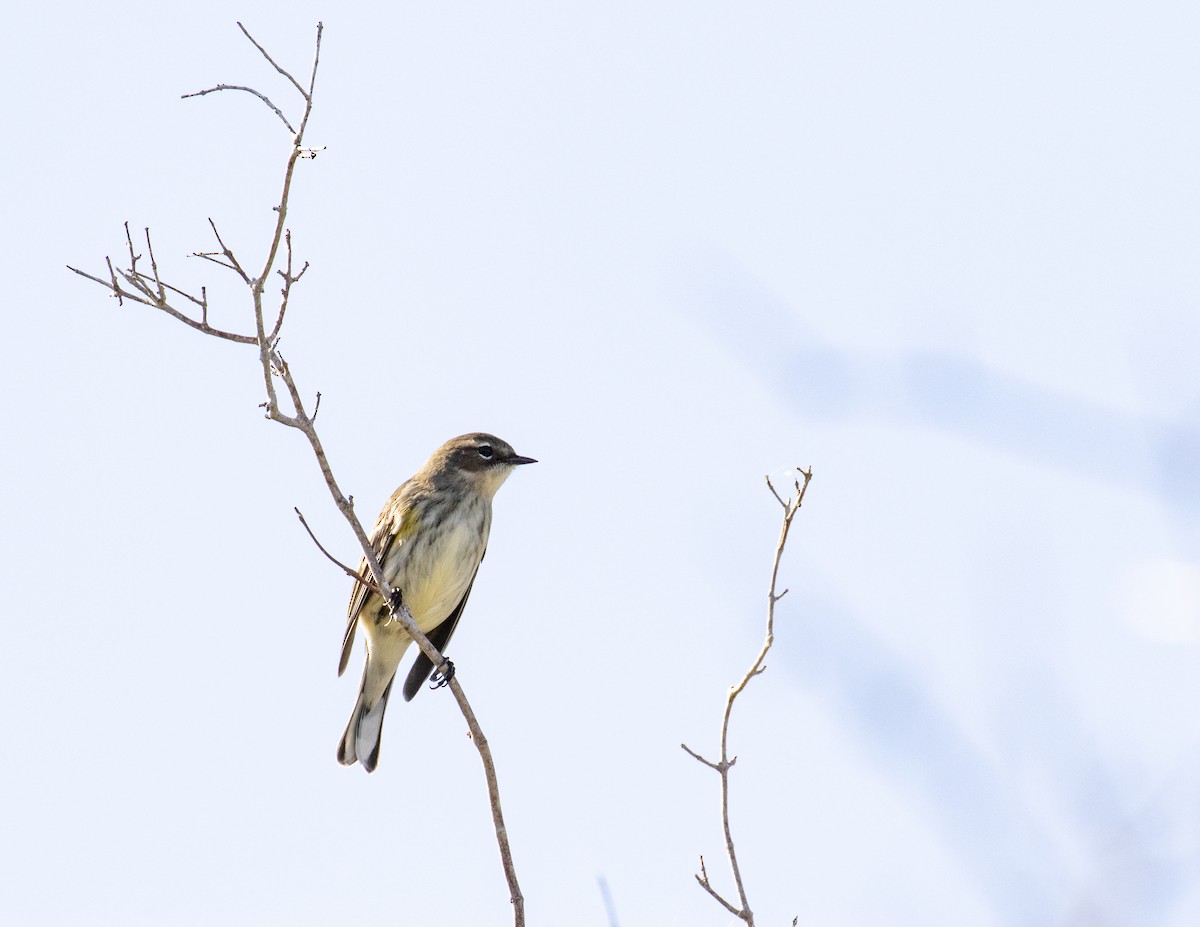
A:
(360, 743)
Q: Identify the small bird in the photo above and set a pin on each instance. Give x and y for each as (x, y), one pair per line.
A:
(430, 539)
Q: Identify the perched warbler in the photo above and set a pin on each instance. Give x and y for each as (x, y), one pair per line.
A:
(430, 539)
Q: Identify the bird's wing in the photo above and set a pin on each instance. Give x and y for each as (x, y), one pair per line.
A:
(439, 637)
(381, 543)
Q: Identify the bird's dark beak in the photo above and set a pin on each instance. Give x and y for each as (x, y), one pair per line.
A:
(514, 460)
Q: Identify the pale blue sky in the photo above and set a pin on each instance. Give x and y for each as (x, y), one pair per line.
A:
(945, 254)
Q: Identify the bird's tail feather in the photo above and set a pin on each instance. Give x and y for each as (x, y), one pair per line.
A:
(360, 742)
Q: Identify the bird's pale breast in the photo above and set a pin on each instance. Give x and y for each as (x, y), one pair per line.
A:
(435, 568)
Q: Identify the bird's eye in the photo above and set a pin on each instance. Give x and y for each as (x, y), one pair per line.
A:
(486, 452)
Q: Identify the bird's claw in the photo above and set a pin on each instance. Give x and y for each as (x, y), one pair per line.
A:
(442, 675)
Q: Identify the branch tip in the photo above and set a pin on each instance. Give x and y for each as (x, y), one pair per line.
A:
(363, 577)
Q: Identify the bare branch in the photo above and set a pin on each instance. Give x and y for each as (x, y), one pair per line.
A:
(227, 254)
(133, 258)
(114, 286)
(275, 65)
(775, 493)
(212, 256)
(262, 96)
(712, 891)
(353, 574)
(702, 878)
(312, 80)
(136, 281)
(154, 267)
(288, 279)
(201, 301)
(151, 290)
(790, 507)
(696, 756)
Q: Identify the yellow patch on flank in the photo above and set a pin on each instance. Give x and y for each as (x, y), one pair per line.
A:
(408, 524)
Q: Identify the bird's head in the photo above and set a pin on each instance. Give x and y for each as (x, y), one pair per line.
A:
(483, 459)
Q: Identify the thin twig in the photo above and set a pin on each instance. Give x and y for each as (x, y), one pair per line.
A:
(212, 256)
(262, 96)
(790, 507)
(775, 493)
(692, 753)
(202, 301)
(702, 878)
(297, 150)
(265, 346)
(312, 79)
(353, 574)
(133, 258)
(154, 267)
(274, 64)
(288, 279)
(116, 287)
(228, 255)
(200, 326)
(712, 891)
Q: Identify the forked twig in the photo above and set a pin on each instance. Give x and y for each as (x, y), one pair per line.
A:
(742, 909)
(316, 58)
(113, 285)
(288, 279)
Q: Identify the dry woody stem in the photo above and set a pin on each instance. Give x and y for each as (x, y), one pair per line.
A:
(741, 909)
(139, 285)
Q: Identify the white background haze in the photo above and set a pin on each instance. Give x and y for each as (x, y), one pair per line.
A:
(944, 253)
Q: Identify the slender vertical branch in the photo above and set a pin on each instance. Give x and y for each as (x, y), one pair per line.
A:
(297, 149)
(151, 290)
(302, 421)
(742, 909)
(285, 294)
